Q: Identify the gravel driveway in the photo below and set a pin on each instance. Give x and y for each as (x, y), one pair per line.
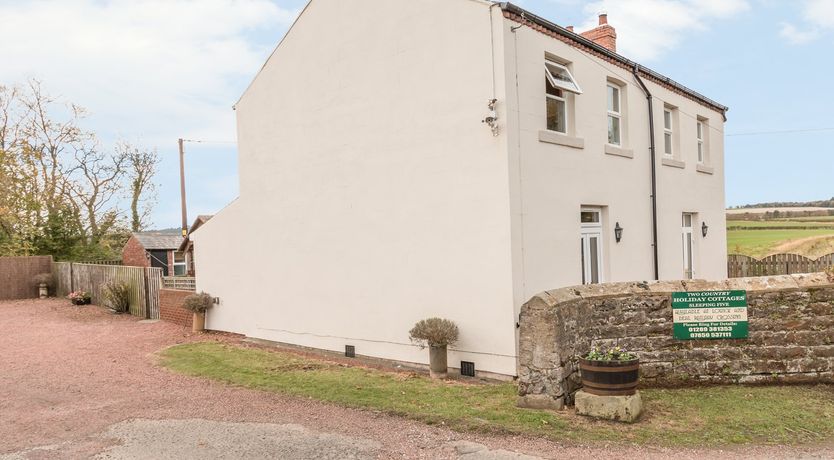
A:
(77, 382)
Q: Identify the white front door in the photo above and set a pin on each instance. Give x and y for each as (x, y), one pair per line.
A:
(686, 232)
(591, 245)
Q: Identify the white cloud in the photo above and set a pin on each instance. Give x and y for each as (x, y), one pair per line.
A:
(796, 36)
(818, 18)
(820, 13)
(648, 28)
(154, 69)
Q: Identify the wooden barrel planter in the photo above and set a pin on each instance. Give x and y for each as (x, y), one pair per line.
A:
(610, 378)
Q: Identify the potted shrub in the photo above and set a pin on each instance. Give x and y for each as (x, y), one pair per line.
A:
(116, 295)
(610, 372)
(438, 334)
(44, 282)
(198, 304)
(80, 298)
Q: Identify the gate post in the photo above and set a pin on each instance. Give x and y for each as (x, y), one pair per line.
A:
(145, 276)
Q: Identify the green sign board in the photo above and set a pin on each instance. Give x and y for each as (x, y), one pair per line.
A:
(708, 315)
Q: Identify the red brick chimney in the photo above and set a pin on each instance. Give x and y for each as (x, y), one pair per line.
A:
(603, 35)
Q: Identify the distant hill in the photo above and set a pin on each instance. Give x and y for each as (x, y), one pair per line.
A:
(174, 230)
(790, 204)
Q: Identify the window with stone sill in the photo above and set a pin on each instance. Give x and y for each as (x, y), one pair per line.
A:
(558, 81)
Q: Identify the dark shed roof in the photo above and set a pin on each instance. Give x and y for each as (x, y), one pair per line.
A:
(158, 240)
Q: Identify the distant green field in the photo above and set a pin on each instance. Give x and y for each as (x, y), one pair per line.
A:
(809, 219)
(777, 224)
(760, 243)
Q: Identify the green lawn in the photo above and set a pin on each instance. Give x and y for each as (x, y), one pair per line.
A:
(705, 417)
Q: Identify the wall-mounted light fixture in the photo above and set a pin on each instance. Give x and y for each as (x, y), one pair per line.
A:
(704, 229)
(492, 119)
(618, 232)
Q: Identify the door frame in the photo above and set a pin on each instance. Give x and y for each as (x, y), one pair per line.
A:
(688, 233)
(589, 230)
(152, 257)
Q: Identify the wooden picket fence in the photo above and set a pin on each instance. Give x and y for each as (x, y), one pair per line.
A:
(741, 266)
(145, 284)
(99, 262)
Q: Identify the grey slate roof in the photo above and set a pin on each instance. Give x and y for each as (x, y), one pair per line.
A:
(157, 240)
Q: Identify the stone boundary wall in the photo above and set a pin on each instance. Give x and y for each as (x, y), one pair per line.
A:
(791, 338)
(170, 307)
(16, 275)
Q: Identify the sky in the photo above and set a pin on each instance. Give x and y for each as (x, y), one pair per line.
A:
(152, 71)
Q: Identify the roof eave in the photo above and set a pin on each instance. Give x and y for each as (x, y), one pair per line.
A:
(527, 15)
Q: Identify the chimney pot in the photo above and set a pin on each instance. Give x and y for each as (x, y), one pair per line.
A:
(603, 34)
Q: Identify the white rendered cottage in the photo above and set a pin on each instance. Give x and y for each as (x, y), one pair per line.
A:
(377, 187)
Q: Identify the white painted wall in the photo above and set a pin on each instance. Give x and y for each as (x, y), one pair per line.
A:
(552, 182)
(372, 196)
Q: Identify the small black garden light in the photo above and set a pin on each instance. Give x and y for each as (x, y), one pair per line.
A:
(704, 229)
(618, 232)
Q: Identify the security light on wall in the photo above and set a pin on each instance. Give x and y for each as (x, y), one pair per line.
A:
(704, 229)
(618, 232)
(492, 118)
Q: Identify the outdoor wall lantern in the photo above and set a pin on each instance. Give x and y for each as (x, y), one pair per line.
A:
(704, 229)
(618, 232)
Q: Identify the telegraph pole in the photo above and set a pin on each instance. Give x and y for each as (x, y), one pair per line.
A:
(182, 188)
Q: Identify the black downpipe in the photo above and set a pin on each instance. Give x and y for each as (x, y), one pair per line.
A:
(636, 72)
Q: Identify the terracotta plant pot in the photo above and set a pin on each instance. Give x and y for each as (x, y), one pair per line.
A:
(43, 291)
(198, 323)
(610, 378)
(438, 367)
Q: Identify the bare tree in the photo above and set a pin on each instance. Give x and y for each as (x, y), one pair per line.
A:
(141, 169)
(96, 188)
(58, 187)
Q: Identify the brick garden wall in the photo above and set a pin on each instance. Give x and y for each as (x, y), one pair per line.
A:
(791, 338)
(16, 275)
(170, 307)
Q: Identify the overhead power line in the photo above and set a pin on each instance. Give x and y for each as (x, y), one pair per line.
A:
(198, 141)
(782, 131)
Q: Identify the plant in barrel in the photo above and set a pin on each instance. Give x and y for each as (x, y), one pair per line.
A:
(198, 304)
(438, 334)
(610, 372)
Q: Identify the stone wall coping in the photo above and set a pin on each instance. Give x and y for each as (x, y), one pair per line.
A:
(755, 284)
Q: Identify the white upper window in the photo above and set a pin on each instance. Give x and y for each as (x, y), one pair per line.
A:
(557, 109)
(668, 132)
(614, 115)
(560, 77)
(701, 145)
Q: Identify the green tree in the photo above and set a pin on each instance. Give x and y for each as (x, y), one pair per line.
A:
(60, 192)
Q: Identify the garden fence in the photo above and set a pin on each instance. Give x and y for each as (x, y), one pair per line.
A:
(98, 262)
(17, 276)
(145, 284)
(741, 266)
